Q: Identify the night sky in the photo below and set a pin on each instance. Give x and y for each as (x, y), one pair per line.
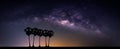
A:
(76, 23)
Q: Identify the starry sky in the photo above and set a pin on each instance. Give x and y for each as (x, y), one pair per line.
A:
(76, 23)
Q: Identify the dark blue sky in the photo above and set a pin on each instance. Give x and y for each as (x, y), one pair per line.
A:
(87, 22)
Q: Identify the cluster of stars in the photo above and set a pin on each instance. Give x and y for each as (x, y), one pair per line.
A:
(70, 18)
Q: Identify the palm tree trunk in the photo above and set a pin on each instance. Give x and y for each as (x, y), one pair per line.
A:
(29, 41)
(48, 41)
(33, 40)
(39, 42)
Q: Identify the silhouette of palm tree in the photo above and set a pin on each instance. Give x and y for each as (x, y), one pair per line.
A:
(28, 33)
(40, 33)
(50, 34)
(45, 35)
(34, 31)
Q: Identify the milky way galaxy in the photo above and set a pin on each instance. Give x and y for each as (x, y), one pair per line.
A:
(75, 23)
(70, 18)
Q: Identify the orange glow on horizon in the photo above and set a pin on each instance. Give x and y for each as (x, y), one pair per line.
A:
(55, 42)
